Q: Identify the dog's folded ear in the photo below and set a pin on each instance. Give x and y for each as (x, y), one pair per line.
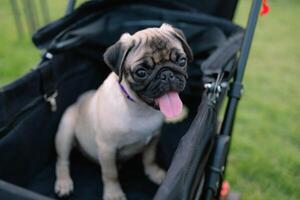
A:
(178, 34)
(116, 54)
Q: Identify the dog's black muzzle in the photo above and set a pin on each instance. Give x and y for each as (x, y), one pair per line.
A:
(160, 73)
(163, 79)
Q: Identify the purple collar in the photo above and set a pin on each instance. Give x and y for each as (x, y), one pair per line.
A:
(125, 92)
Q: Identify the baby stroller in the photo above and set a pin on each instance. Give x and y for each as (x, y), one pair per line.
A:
(193, 151)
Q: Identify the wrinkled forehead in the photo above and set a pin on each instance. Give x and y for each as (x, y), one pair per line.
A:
(154, 43)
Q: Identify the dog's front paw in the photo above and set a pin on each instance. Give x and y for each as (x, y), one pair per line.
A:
(64, 187)
(114, 193)
(155, 174)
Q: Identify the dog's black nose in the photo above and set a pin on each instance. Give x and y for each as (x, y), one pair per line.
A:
(167, 75)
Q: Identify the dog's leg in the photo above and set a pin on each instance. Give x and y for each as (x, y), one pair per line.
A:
(111, 186)
(63, 143)
(152, 170)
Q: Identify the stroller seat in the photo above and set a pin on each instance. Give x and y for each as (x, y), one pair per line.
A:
(72, 63)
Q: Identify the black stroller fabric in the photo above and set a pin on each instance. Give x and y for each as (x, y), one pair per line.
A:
(72, 63)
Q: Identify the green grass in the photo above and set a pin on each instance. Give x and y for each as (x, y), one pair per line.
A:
(264, 163)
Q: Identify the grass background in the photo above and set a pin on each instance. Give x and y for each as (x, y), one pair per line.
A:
(264, 163)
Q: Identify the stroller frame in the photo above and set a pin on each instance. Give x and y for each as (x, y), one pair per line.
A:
(220, 153)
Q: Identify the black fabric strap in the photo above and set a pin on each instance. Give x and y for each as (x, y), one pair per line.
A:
(47, 78)
(217, 62)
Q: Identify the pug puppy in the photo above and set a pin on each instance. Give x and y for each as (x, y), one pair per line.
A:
(124, 115)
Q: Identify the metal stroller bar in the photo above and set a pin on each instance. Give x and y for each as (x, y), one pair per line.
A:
(70, 6)
(253, 16)
(222, 145)
(236, 86)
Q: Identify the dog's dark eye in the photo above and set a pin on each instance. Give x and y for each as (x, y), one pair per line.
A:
(182, 62)
(141, 73)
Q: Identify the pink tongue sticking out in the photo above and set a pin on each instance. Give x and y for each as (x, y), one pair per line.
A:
(170, 104)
